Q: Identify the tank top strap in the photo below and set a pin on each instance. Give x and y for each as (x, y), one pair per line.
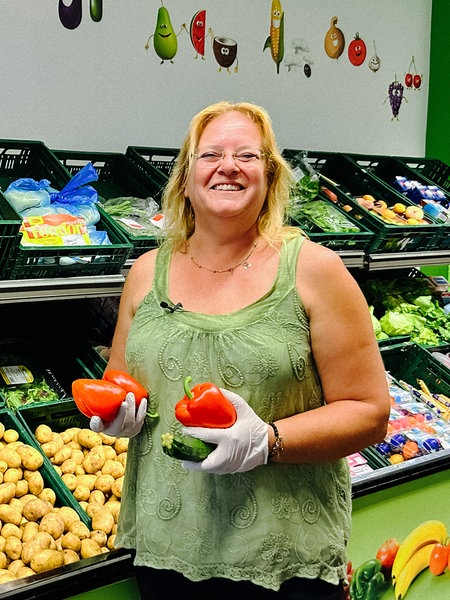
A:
(287, 271)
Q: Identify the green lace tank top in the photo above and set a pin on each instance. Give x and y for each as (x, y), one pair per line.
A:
(273, 523)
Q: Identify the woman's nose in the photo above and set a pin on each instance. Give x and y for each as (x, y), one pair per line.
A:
(228, 163)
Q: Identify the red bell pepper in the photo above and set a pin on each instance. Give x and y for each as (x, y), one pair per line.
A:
(126, 382)
(204, 406)
(97, 397)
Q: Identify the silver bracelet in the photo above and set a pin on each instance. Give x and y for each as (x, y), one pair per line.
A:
(277, 447)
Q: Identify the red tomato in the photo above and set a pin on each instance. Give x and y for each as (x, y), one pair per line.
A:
(439, 559)
(386, 553)
(357, 51)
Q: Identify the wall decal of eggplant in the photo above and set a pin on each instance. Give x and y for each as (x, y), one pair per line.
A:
(275, 40)
(70, 14)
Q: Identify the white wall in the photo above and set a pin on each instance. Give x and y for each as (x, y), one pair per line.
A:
(96, 88)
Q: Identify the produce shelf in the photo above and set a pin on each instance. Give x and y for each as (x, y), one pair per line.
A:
(147, 157)
(434, 170)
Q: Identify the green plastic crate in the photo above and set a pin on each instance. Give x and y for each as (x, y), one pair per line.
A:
(410, 362)
(347, 180)
(355, 240)
(146, 157)
(433, 170)
(119, 176)
(51, 479)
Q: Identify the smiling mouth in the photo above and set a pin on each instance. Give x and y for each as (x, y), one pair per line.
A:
(227, 187)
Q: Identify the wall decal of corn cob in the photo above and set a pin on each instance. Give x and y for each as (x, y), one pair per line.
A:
(275, 41)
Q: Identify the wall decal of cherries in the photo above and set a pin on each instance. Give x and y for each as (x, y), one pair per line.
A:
(412, 77)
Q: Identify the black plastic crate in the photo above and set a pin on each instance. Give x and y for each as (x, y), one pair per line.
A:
(49, 347)
(345, 179)
(146, 157)
(434, 170)
(51, 479)
(9, 237)
(337, 240)
(119, 176)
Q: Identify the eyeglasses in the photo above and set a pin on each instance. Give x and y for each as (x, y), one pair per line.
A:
(247, 155)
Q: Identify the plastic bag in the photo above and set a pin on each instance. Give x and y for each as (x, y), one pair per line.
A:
(306, 181)
(26, 193)
(76, 191)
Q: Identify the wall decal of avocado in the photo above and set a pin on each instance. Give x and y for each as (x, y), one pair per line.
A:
(334, 42)
(165, 41)
(275, 40)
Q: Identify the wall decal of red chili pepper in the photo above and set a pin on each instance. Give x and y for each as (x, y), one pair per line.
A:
(126, 382)
(97, 397)
(204, 406)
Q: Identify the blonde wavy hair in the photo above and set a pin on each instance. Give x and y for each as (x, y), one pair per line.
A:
(180, 217)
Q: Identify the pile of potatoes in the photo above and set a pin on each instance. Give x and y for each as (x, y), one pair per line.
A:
(36, 535)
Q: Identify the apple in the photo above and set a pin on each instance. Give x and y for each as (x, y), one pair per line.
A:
(414, 212)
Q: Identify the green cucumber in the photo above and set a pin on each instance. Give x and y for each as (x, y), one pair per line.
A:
(185, 447)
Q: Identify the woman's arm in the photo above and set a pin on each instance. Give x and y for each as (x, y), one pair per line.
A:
(349, 363)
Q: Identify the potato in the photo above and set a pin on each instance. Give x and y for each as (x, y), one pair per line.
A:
(7, 491)
(68, 466)
(80, 530)
(70, 541)
(103, 483)
(10, 436)
(6, 576)
(47, 559)
(35, 482)
(50, 448)
(24, 499)
(114, 508)
(102, 519)
(32, 459)
(70, 556)
(114, 468)
(38, 542)
(3, 466)
(116, 487)
(88, 439)
(53, 524)
(107, 440)
(97, 497)
(4, 560)
(2, 543)
(110, 453)
(69, 516)
(15, 565)
(122, 458)
(29, 530)
(16, 503)
(89, 548)
(121, 445)
(70, 480)
(77, 456)
(11, 529)
(49, 495)
(13, 547)
(13, 475)
(94, 460)
(43, 433)
(9, 514)
(87, 479)
(92, 508)
(35, 509)
(24, 572)
(61, 455)
(2, 430)
(11, 457)
(82, 492)
(99, 536)
(21, 488)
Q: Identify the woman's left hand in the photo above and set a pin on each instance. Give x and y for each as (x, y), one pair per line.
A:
(241, 447)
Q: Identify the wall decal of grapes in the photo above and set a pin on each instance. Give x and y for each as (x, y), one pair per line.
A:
(395, 97)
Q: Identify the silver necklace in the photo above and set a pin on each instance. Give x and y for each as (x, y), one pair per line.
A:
(244, 262)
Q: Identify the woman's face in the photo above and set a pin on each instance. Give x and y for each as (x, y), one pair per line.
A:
(228, 177)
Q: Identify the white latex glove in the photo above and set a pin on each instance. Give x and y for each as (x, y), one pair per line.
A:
(127, 423)
(241, 447)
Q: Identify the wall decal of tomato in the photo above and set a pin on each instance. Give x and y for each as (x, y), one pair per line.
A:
(334, 42)
(197, 31)
(357, 51)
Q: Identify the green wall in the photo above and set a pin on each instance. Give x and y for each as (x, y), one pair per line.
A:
(438, 123)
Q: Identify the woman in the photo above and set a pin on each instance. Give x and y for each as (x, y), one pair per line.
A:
(236, 298)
